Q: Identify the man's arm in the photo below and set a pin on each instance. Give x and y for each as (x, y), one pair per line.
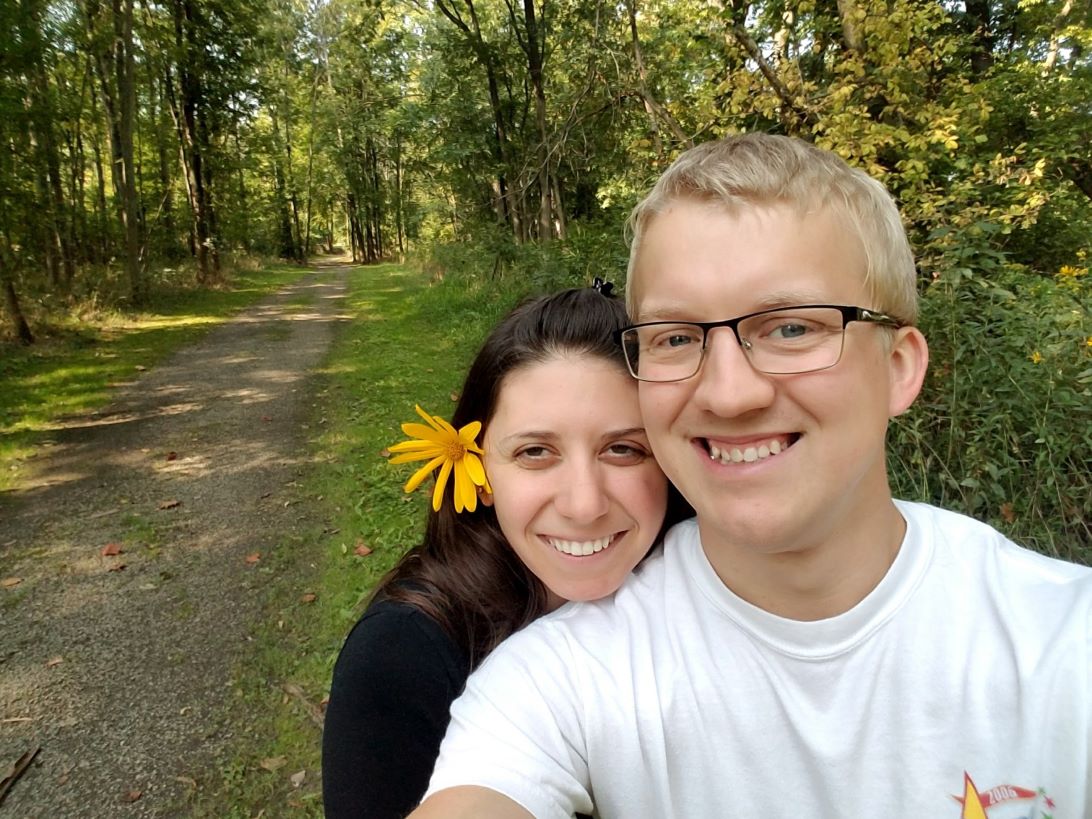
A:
(469, 802)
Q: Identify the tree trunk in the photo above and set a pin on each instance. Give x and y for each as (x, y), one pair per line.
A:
(504, 201)
(533, 50)
(116, 80)
(186, 109)
(13, 308)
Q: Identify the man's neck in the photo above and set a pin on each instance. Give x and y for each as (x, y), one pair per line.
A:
(816, 578)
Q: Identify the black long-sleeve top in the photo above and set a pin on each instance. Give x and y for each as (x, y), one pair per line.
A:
(392, 690)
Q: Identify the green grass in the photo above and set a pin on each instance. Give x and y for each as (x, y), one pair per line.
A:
(76, 361)
(409, 343)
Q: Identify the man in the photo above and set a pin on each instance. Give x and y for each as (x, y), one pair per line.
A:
(807, 646)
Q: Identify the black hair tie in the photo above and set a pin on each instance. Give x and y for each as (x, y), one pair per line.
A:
(603, 286)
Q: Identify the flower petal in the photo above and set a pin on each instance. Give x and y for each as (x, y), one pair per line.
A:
(469, 432)
(465, 496)
(416, 456)
(424, 472)
(474, 469)
(425, 433)
(445, 426)
(441, 483)
(427, 417)
(415, 446)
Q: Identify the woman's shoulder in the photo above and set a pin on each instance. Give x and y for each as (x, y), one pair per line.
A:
(393, 637)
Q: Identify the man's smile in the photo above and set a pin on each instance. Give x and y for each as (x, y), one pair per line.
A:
(757, 450)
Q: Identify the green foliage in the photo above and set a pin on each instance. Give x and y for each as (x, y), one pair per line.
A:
(1001, 429)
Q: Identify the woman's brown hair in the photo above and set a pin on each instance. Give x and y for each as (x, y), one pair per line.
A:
(464, 574)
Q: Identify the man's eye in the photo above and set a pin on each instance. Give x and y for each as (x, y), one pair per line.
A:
(675, 338)
(790, 330)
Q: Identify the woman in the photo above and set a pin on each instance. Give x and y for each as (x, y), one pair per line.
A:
(572, 503)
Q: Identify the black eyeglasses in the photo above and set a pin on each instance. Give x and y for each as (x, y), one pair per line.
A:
(782, 341)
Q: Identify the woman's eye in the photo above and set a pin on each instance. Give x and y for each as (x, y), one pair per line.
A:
(626, 453)
(534, 455)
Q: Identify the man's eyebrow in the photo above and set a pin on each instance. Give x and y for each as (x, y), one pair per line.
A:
(769, 301)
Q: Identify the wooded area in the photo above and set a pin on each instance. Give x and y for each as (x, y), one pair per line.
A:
(143, 138)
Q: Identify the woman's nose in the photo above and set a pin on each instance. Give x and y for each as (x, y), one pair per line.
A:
(582, 495)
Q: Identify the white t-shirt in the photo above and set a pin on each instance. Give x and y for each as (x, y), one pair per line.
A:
(969, 662)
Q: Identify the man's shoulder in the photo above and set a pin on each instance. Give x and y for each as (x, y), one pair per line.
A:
(961, 539)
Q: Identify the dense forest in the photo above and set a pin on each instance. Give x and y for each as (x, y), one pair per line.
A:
(152, 144)
(145, 139)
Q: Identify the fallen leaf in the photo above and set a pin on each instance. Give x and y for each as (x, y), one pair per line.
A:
(169, 504)
(384, 453)
(266, 419)
(117, 567)
(454, 396)
(131, 796)
(308, 597)
(361, 549)
(273, 763)
(172, 456)
(111, 550)
(1007, 513)
(54, 661)
(254, 557)
(324, 702)
(140, 368)
(185, 780)
(11, 582)
(297, 778)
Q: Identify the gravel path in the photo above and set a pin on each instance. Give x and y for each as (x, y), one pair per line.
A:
(121, 675)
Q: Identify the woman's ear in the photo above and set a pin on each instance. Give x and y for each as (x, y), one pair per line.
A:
(484, 497)
(909, 359)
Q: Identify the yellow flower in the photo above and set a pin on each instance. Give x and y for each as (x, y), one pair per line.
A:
(451, 451)
(1036, 357)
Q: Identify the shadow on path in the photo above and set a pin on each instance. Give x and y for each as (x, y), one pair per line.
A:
(118, 667)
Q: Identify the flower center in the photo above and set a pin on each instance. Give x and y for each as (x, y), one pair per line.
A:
(454, 451)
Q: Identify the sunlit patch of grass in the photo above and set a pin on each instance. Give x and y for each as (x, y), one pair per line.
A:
(83, 354)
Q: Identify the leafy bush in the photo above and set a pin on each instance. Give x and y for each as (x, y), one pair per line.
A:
(1001, 429)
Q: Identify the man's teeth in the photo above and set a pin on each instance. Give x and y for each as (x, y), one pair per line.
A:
(750, 454)
(579, 548)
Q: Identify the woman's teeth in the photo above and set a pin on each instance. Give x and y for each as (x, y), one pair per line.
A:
(750, 454)
(579, 548)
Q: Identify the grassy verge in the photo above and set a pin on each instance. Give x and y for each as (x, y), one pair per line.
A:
(408, 344)
(73, 367)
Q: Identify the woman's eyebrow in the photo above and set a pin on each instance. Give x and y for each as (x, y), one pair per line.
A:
(621, 433)
(529, 435)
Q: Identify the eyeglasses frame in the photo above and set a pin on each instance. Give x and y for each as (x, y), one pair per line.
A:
(849, 314)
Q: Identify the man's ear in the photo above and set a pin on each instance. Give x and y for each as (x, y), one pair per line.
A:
(908, 359)
(485, 498)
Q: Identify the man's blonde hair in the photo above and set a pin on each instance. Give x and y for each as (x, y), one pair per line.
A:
(751, 170)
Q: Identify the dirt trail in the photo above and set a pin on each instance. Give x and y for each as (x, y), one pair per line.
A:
(192, 469)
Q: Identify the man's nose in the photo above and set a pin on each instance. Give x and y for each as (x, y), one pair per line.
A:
(728, 385)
